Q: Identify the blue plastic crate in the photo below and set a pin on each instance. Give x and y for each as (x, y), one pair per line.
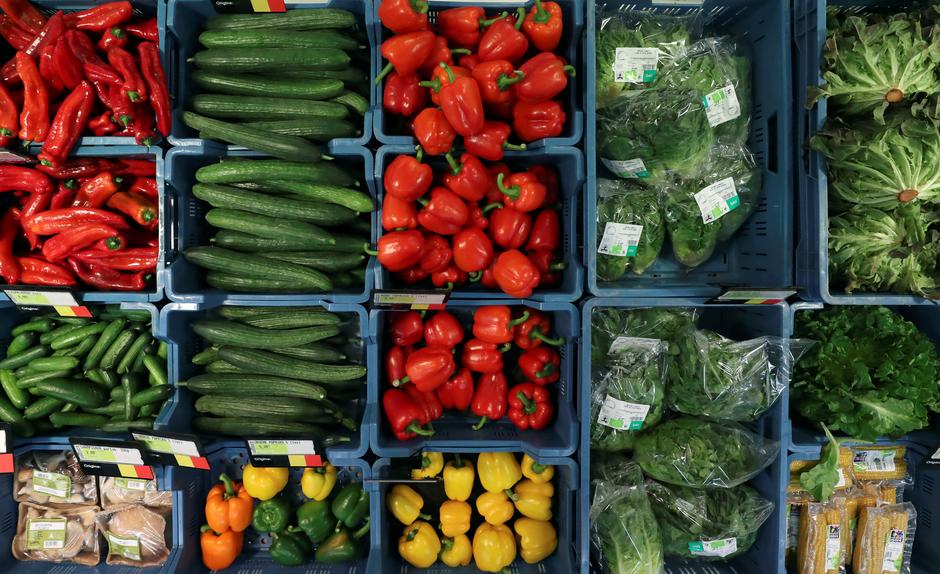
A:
(573, 101)
(738, 322)
(231, 457)
(387, 529)
(186, 19)
(174, 328)
(164, 231)
(807, 438)
(812, 252)
(184, 282)
(570, 166)
(185, 504)
(453, 432)
(760, 253)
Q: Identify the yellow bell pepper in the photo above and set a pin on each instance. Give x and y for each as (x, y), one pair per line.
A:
(455, 518)
(495, 507)
(498, 471)
(537, 539)
(536, 472)
(533, 499)
(318, 483)
(405, 504)
(494, 547)
(431, 465)
(457, 551)
(264, 483)
(419, 545)
(458, 478)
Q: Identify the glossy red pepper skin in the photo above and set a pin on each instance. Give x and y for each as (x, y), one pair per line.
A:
(515, 274)
(489, 398)
(445, 213)
(412, 275)
(47, 69)
(443, 330)
(543, 25)
(155, 79)
(523, 191)
(509, 228)
(434, 132)
(549, 178)
(135, 259)
(67, 67)
(546, 76)
(78, 237)
(440, 54)
(546, 232)
(395, 359)
(427, 401)
(477, 218)
(440, 78)
(406, 52)
(491, 142)
(146, 30)
(51, 32)
(143, 128)
(102, 125)
(24, 15)
(407, 178)
(63, 196)
(9, 117)
(541, 365)
(402, 95)
(138, 167)
(399, 250)
(34, 118)
(430, 367)
(468, 61)
(462, 104)
(469, 178)
(146, 186)
(56, 221)
(437, 254)
(461, 25)
(504, 41)
(16, 37)
(76, 168)
(403, 16)
(67, 125)
(102, 72)
(549, 266)
(136, 206)
(122, 61)
(108, 279)
(398, 214)
(482, 357)
(114, 36)
(496, 78)
(531, 122)
(100, 17)
(403, 414)
(35, 203)
(16, 178)
(534, 331)
(406, 328)
(9, 229)
(494, 324)
(450, 277)
(457, 392)
(96, 191)
(473, 250)
(37, 271)
(530, 406)
(488, 280)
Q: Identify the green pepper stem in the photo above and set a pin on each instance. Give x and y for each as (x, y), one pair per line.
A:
(537, 334)
(512, 495)
(206, 528)
(363, 530)
(385, 71)
(447, 543)
(458, 460)
(505, 80)
(546, 370)
(5, 132)
(419, 6)
(401, 381)
(491, 207)
(541, 14)
(475, 276)
(434, 84)
(424, 516)
(480, 424)
(520, 320)
(369, 251)
(411, 534)
(570, 70)
(485, 23)
(528, 405)
(513, 147)
(520, 17)
(419, 153)
(538, 468)
(448, 71)
(229, 486)
(415, 427)
(504, 348)
(460, 52)
(558, 266)
(512, 191)
(455, 167)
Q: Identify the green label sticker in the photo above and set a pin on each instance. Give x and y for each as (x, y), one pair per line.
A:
(635, 65)
(833, 547)
(45, 533)
(894, 551)
(131, 483)
(52, 483)
(620, 239)
(721, 106)
(124, 546)
(717, 199)
(622, 415)
(721, 548)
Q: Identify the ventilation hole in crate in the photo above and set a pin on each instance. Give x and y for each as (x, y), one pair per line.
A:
(925, 519)
(8, 524)
(927, 484)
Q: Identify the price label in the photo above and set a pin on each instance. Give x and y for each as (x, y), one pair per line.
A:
(627, 169)
(111, 458)
(894, 551)
(283, 453)
(52, 484)
(721, 106)
(124, 546)
(173, 449)
(45, 533)
(620, 239)
(754, 296)
(720, 548)
(635, 65)
(622, 415)
(717, 200)
(411, 299)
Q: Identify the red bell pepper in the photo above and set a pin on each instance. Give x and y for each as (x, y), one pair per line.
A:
(482, 357)
(546, 232)
(428, 402)
(457, 392)
(468, 61)
(462, 25)
(441, 53)
(530, 406)
(440, 78)
(509, 228)
(543, 26)
(489, 398)
(445, 213)
(78, 237)
(429, 368)
(37, 271)
(57, 221)
(403, 16)
(399, 250)
(107, 279)
(488, 280)
(494, 323)
(133, 83)
(515, 274)
(406, 52)
(443, 330)
(34, 118)
(407, 178)
(136, 259)
(403, 95)
(136, 206)
(502, 111)
(534, 331)
(145, 30)
(541, 365)
(68, 124)
(437, 254)
(450, 277)
(546, 76)
(468, 179)
(434, 132)
(16, 37)
(395, 359)
(477, 217)
(495, 78)
(9, 117)
(155, 79)
(503, 40)
(524, 193)
(9, 229)
(398, 214)
(100, 17)
(473, 250)
(491, 141)
(548, 265)
(403, 414)
(51, 32)
(493, 194)
(96, 191)
(24, 15)
(549, 178)
(536, 121)
(462, 104)
(75, 168)
(412, 275)
(16, 178)
(406, 328)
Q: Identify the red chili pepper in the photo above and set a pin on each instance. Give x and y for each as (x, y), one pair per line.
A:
(495, 79)
(66, 67)
(102, 125)
(450, 277)
(457, 392)
(524, 193)
(83, 48)
(395, 359)
(403, 96)
(544, 25)
(515, 274)
(9, 229)
(107, 279)
(530, 406)
(482, 357)
(407, 178)
(510, 228)
(403, 414)
(443, 330)
(541, 365)
(503, 40)
(146, 186)
(406, 328)
(429, 368)
(412, 275)
(462, 104)
(57, 221)
(137, 259)
(124, 63)
(63, 196)
(144, 124)
(399, 250)
(434, 132)
(23, 15)
(113, 36)
(16, 37)
(114, 98)
(36, 203)
(440, 78)
(100, 17)
(549, 178)
(428, 402)
(76, 168)
(468, 61)
(548, 265)
(491, 141)
(48, 71)
(9, 117)
(468, 179)
(398, 214)
(51, 32)
(139, 167)
(462, 25)
(146, 30)
(441, 53)
(102, 72)
(489, 398)
(473, 250)
(34, 118)
(138, 207)
(477, 216)
(494, 323)
(16, 178)
(37, 271)
(67, 125)
(406, 52)
(536, 121)
(403, 16)
(445, 213)
(152, 70)
(437, 254)
(534, 331)
(546, 76)
(546, 232)
(96, 191)
(78, 237)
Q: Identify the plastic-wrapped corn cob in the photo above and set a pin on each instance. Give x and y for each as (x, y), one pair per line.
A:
(885, 539)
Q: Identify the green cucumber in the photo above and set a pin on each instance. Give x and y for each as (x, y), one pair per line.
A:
(356, 103)
(123, 426)
(321, 260)
(317, 352)
(206, 356)
(248, 385)
(260, 170)
(80, 393)
(219, 259)
(113, 409)
(25, 357)
(271, 39)
(29, 381)
(77, 419)
(292, 318)
(349, 243)
(137, 315)
(252, 243)
(131, 384)
(223, 196)
(350, 198)
(78, 335)
(243, 312)
(80, 350)
(265, 108)
(108, 336)
(22, 342)
(221, 367)
(273, 364)
(264, 226)
(245, 60)
(244, 426)
(273, 408)
(54, 334)
(152, 395)
(133, 352)
(151, 409)
(248, 85)
(110, 378)
(351, 76)
(45, 364)
(241, 284)
(37, 325)
(360, 225)
(316, 129)
(283, 146)
(232, 333)
(157, 369)
(17, 397)
(117, 349)
(10, 414)
(305, 19)
(43, 408)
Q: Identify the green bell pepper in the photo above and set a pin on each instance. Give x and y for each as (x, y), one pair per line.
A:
(290, 547)
(351, 505)
(342, 546)
(271, 515)
(316, 520)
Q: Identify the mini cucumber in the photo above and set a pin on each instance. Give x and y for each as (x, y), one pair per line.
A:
(152, 395)
(45, 364)
(131, 385)
(206, 356)
(61, 419)
(10, 414)
(321, 260)
(22, 342)
(29, 381)
(110, 378)
(137, 315)
(54, 334)
(151, 409)
(25, 357)
(38, 325)
(259, 170)
(316, 129)
(135, 349)
(78, 335)
(156, 368)
(17, 397)
(82, 349)
(80, 393)
(272, 39)
(117, 349)
(123, 426)
(112, 409)
(355, 102)
(108, 336)
(43, 408)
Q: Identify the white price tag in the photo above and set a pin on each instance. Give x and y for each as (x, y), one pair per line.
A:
(27, 298)
(719, 548)
(721, 106)
(894, 551)
(45, 533)
(717, 199)
(620, 239)
(874, 460)
(833, 547)
(627, 169)
(635, 65)
(622, 415)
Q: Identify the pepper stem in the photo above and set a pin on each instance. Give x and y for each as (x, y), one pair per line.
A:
(385, 71)
(423, 201)
(117, 32)
(537, 334)
(558, 266)
(369, 251)
(480, 424)
(363, 530)
(512, 495)
(475, 276)
(415, 427)
(5, 132)
(448, 71)
(419, 6)
(546, 371)
(133, 96)
(484, 23)
(520, 17)
(505, 80)
(504, 348)
(424, 516)
(71, 184)
(401, 381)
(419, 153)
(455, 167)
(460, 52)
(458, 460)
(229, 487)
(528, 405)
(206, 528)
(434, 84)
(411, 535)
(520, 320)
(513, 147)
(512, 191)
(541, 14)
(491, 207)
(147, 215)
(447, 543)
(113, 243)
(538, 468)
(570, 70)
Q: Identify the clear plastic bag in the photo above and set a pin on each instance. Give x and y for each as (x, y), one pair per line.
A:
(117, 492)
(625, 536)
(824, 529)
(627, 392)
(136, 535)
(56, 534)
(690, 451)
(710, 524)
(630, 228)
(885, 539)
(53, 478)
(609, 323)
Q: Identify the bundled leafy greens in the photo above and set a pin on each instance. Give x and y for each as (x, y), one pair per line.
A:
(620, 201)
(609, 323)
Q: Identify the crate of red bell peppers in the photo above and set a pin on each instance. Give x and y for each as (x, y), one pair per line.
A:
(508, 71)
(473, 375)
(481, 229)
(95, 224)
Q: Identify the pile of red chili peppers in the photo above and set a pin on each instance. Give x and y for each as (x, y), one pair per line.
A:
(471, 223)
(95, 72)
(430, 365)
(90, 221)
(506, 78)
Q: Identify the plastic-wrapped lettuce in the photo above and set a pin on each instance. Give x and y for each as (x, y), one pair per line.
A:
(711, 524)
(696, 452)
(630, 228)
(609, 323)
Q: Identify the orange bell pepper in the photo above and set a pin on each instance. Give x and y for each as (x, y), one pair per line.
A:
(228, 506)
(219, 551)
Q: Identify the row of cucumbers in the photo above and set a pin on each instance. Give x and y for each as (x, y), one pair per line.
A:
(277, 83)
(106, 372)
(277, 372)
(279, 226)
